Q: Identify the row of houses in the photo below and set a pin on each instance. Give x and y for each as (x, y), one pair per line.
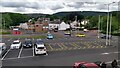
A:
(45, 24)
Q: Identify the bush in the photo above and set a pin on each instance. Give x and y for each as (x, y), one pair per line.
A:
(5, 32)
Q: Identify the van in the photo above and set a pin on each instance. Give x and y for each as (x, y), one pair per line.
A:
(3, 49)
(40, 48)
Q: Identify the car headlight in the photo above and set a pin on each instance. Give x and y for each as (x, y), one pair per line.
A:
(24, 45)
(29, 44)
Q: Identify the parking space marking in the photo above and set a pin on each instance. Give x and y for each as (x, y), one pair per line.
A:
(50, 46)
(33, 50)
(64, 45)
(10, 39)
(20, 52)
(59, 45)
(27, 57)
(33, 39)
(74, 44)
(5, 54)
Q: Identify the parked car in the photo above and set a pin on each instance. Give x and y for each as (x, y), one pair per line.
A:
(85, 30)
(40, 47)
(27, 43)
(104, 37)
(85, 65)
(55, 30)
(16, 44)
(3, 49)
(67, 33)
(49, 36)
(80, 35)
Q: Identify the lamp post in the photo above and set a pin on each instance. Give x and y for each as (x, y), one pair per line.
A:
(108, 23)
(110, 27)
(99, 27)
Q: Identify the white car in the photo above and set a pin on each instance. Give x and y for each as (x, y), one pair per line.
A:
(40, 48)
(16, 44)
(3, 49)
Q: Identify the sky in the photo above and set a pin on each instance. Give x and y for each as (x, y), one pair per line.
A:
(54, 6)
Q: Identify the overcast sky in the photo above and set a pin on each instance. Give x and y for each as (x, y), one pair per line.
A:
(53, 6)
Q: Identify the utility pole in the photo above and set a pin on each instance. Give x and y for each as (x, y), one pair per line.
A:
(110, 28)
(108, 19)
(107, 26)
(99, 27)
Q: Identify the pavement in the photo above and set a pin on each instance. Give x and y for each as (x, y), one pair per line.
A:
(63, 51)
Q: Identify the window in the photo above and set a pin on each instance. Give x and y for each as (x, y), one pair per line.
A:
(81, 66)
(3, 48)
(16, 42)
(40, 47)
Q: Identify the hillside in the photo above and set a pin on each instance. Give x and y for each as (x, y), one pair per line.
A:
(62, 14)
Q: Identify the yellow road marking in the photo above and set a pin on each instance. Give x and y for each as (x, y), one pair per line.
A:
(50, 47)
(64, 45)
(75, 45)
(60, 46)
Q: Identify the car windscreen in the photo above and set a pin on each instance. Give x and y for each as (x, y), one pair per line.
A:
(40, 47)
(49, 35)
(16, 42)
(28, 42)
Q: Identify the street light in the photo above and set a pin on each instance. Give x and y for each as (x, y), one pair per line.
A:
(99, 27)
(108, 23)
(110, 28)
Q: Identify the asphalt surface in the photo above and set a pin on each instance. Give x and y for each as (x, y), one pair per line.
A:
(63, 51)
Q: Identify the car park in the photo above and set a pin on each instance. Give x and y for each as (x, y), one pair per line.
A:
(16, 44)
(85, 65)
(40, 47)
(80, 35)
(49, 36)
(27, 43)
(3, 49)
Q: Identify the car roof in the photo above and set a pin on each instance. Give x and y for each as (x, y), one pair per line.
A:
(49, 34)
(16, 41)
(39, 42)
(40, 45)
(1, 44)
(88, 65)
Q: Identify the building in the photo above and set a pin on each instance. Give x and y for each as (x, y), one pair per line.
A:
(24, 25)
(41, 24)
(84, 22)
(63, 26)
(75, 25)
(54, 24)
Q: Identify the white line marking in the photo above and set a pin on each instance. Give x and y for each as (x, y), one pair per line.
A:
(26, 57)
(105, 53)
(33, 39)
(109, 53)
(33, 50)
(5, 54)
(10, 39)
(46, 54)
(20, 52)
(18, 58)
(111, 62)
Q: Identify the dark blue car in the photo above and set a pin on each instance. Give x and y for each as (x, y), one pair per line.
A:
(27, 43)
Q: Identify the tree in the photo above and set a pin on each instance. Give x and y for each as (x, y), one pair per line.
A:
(6, 20)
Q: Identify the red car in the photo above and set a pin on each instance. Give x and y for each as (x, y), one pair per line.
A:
(85, 65)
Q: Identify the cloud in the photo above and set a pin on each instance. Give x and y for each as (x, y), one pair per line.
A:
(53, 6)
(75, 4)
